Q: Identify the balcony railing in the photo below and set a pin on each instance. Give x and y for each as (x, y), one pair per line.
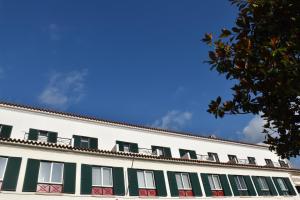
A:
(147, 151)
(60, 140)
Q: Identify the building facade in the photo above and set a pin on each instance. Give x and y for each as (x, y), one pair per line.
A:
(46, 154)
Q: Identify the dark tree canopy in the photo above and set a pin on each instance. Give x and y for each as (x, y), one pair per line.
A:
(261, 53)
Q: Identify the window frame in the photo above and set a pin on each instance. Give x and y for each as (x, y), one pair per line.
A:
(212, 176)
(144, 179)
(233, 158)
(214, 156)
(182, 182)
(42, 137)
(238, 183)
(126, 147)
(6, 161)
(262, 183)
(253, 159)
(51, 170)
(87, 140)
(102, 177)
(270, 162)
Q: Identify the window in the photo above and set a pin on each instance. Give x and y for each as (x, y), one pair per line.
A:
(214, 182)
(282, 185)
(240, 182)
(183, 181)
(43, 136)
(146, 179)
(263, 183)
(213, 157)
(282, 163)
(51, 172)
(3, 163)
(84, 142)
(251, 160)
(126, 147)
(269, 162)
(160, 151)
(102, 176)
(233, 158)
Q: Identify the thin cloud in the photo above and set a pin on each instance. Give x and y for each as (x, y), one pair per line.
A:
(253, 132)
(54, 32)
(174, 120)
(64, 89)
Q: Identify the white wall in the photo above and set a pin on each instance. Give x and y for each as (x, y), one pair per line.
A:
(35, 152)
(107, 134)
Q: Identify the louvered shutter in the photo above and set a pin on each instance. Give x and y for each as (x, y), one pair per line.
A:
(11, 174)
(118, 180)
(172, 184)
(133, 182)
(31, 175)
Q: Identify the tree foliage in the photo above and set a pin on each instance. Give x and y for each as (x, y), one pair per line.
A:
(261, 53)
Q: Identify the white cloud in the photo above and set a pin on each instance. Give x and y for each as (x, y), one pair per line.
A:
(173, 120)
(64, 89)
(253, 132)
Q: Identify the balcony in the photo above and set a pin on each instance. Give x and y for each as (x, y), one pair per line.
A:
(60, 140)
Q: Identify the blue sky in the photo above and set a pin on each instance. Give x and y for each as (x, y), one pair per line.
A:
(136, 61)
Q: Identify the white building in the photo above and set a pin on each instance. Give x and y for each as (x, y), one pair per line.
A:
(52, 155)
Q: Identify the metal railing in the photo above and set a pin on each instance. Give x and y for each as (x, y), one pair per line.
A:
(60, 140)
(147, 151)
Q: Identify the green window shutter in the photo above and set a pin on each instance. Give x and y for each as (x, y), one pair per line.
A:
(225, 185)
(86, 179)
(52, 137)
(280, 192)
(94, 143)
(121, 145)
(6, 131)
(69, 178)
(133, 182)
(271, 186)
(11, 174)
(160, 183)
(77, 142)
(195, 184)
(233, 185)
(289, 186)
(182, 152)
(167, 152)
(172, 184)
(134, 147)
(250, 186)
(118, 180)
(31, 175)
(206, 185)
(258, 189)
(193, 154)
(33, 134)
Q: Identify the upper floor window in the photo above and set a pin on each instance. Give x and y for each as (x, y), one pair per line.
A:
(233, 158)
(213, 157)
(5, 131)
(42, 135)
(102, 176)
(184, 153)
(145, 179)
(3, 163)
(240, 183)
(183, 181)
(161, 151)
(251, 160)
(85, 142)
(269, 162)
(282, 163)
(51, 172)
(214, 182)
(128, 146)
(263, 183)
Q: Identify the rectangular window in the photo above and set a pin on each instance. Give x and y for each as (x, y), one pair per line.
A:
(85, 142)
(183, 181)
(240, 183)
(102, 176)
(263, 183)
(43, 136)
(282, 163)
(213, 157)
(269, 162)
(126, 147)
(146, 179)
(214, 182)
(3, 163)
(160, 151)
(251, 160)
(233, 158)
(282, 185)
(51, 172)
